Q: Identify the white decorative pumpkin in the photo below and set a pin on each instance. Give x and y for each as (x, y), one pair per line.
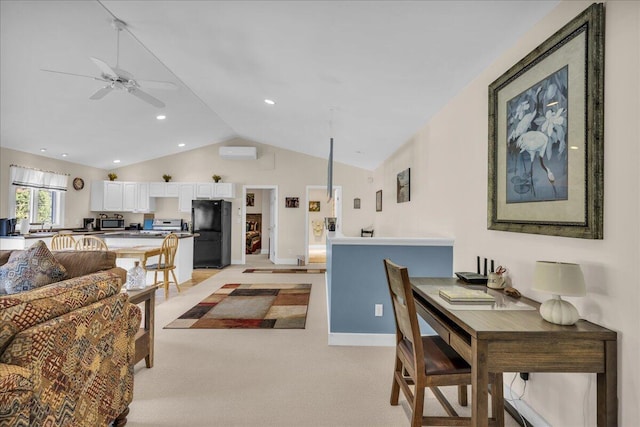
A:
(559, 311)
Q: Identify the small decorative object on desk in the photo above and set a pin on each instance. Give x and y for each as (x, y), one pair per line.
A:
(166, 177)
(136, 278)
(216, 178)
(112, 176)
(496, 280)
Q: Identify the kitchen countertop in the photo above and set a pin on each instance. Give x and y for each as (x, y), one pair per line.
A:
(127, 234)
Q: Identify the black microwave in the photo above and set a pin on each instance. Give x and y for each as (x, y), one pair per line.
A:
(109, 224)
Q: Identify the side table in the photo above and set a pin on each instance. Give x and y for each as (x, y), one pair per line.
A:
(144, 337)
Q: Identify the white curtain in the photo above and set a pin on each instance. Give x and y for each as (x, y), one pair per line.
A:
(27, 177)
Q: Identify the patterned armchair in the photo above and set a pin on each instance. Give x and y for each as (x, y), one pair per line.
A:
(66, 349)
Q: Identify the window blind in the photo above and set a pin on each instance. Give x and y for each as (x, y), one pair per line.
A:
(36, 178)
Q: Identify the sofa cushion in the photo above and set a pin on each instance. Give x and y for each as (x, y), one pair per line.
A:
(81, 263)
(31, 269)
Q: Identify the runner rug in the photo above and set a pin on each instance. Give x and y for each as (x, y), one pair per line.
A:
(249, 306)
(286, 270)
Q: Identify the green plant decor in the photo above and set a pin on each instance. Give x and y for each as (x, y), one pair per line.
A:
(166, 177)
(216, 178)
(112, 176)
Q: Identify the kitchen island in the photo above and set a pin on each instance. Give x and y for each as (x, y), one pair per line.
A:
(119, 239)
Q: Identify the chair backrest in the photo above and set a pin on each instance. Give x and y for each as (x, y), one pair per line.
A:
(60, 242)
(404, 307)
(91, 243)
(169, 248)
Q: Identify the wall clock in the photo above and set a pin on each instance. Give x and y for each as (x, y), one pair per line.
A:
(78, 183)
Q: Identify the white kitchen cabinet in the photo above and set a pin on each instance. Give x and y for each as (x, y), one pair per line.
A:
(144, 201)
(187, 192)
(224, 190)
(121, 196)
(106, 196)
(164, 189)
(204, 190)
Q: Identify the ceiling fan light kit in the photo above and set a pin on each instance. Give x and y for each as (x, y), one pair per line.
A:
(117, 78)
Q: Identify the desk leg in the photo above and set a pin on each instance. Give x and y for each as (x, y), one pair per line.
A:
(608, 387)
(479, 384)
(149, 322)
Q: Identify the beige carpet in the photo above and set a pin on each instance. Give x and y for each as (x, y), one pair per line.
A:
(291, 377)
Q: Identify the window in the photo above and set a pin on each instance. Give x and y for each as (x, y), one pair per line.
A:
(39, 205)
(37, 195)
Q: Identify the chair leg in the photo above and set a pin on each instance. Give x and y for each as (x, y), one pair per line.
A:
(173, 273)
(418, 406)
(155, 277)
(462, 395)
(166, 284)
(395, 387)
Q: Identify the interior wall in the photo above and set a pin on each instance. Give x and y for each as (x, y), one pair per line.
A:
(289, 170)
(76, 201)
(448, 160)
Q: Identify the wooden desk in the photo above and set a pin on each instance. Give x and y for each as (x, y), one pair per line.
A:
(144, 337)
(506, 340)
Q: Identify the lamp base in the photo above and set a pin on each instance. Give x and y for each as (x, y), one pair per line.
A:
(559, 311)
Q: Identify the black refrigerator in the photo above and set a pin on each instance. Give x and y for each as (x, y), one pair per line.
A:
(211, 219)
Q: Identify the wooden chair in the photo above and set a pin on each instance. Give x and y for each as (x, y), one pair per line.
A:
(428, 361)
(61, 242)
(91, 243)
(166, 263)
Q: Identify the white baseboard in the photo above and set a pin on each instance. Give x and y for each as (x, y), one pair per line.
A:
(370, 340)
(524, 409)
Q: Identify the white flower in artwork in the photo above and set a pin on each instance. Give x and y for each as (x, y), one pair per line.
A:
(551, 119)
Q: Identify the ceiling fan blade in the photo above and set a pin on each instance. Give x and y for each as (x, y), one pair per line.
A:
(155, 84)
(101, 92)
(106, 69)
(146, 97)
(73, 74)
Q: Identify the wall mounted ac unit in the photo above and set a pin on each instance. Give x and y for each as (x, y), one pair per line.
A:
(238, 153)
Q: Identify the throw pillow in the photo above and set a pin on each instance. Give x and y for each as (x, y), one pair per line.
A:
(30, 269)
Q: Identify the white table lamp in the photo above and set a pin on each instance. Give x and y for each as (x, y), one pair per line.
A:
(559, 278)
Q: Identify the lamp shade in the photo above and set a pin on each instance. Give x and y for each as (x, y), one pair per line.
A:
(559, 278)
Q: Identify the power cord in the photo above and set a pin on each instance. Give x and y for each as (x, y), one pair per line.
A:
(514, 400)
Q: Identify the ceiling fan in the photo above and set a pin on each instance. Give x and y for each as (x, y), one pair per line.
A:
(117, 78)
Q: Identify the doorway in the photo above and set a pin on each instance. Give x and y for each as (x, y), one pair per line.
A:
(259, 215)
(317, 210)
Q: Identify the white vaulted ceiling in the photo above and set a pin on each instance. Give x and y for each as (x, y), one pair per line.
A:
(384, 67)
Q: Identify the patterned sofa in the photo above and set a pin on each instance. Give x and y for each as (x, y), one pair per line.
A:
(66, 349)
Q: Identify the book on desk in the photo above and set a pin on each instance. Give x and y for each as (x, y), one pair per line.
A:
(466, 296)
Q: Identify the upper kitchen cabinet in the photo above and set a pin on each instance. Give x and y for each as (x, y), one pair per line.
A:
(204, 190)
(117, 196)
(106, 196)
(164, 189)
(224, 190)
(186, 195)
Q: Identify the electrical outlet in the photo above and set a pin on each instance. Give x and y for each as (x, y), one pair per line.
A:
(378, 310)
(524, 376)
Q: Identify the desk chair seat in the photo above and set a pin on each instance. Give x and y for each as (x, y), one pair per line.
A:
(166, 263)
(429, 361)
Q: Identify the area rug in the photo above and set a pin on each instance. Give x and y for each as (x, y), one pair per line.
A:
(249, 306)
(286, 270)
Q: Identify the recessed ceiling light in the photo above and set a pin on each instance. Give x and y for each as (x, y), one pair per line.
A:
(64, 154)
(116, 161)
(42, 150)
(269, 101)
(182, 144)
(161, 117)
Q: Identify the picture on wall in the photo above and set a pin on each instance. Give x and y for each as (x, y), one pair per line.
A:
(356, 203)
(403, 186)
(314, 206)
(251, 199)
(546, 132)
(292, 202)
(379, 201)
